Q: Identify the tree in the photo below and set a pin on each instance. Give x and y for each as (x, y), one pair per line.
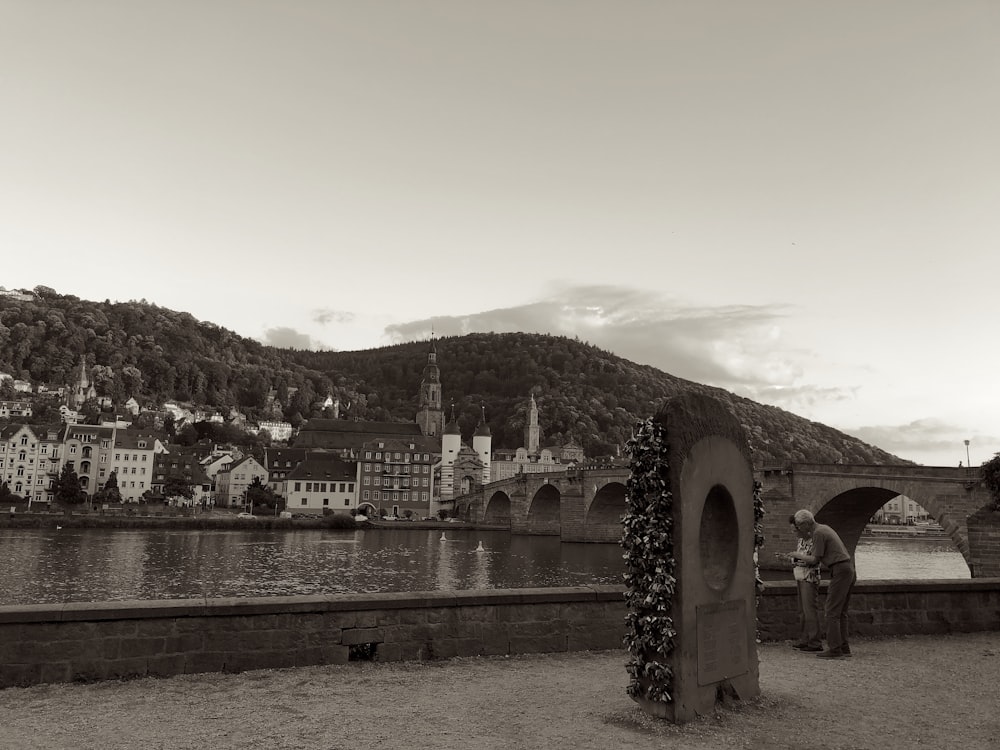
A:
(991, 478)
(259, 494)
(176, 486)
(66, 489)
(7, 391)
(109, 493)
(6, 496)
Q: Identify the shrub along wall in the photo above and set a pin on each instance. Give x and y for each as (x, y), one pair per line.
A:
(112, 640)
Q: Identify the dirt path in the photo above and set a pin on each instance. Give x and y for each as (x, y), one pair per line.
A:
(917, 692)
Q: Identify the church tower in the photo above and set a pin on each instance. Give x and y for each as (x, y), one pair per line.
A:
(531, 433)
(430, 416)
(83, 389)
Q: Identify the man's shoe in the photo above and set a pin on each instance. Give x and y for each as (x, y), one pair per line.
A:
(835, 653)
(807, 647)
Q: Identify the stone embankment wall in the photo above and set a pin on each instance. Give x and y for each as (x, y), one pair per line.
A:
(113, 640)
(984, 543)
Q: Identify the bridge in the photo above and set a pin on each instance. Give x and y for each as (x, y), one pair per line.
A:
(586, 503)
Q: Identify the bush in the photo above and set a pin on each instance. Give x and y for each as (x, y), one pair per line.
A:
(339, 521)
(991, 480)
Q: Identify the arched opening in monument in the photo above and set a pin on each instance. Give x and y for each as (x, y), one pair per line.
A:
(603, 521)
(498, 509)
(543, 513)
(719, 538)
(367, 509)
(850, 512)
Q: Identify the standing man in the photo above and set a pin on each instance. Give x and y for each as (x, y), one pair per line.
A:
(829, 550)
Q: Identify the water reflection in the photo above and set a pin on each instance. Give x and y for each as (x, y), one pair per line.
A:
(48, 565)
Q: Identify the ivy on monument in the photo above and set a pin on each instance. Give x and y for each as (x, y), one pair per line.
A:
(647, 537)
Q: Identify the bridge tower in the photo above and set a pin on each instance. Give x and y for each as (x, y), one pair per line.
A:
(451, 446)
(482, 443)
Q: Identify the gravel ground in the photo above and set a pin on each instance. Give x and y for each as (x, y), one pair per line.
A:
(914, 692)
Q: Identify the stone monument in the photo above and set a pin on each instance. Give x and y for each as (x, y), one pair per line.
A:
(690, 546)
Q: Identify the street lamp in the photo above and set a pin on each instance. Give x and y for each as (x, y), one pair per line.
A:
(967, 463)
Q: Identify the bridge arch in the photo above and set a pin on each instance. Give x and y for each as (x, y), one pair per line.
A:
(497, 509)
(851, 510)
(544, 516)
(603, 516)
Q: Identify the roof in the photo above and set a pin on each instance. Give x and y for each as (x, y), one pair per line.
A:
(342, 434)
(367, 428)
(325, 466)
(274, 456)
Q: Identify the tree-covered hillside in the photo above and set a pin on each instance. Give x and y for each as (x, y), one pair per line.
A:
(583, 393)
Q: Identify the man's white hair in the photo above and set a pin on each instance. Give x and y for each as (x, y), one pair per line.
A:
(804, 516)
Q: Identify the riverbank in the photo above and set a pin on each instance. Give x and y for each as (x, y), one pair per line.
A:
(921, 691)
(170, 518)
(152, 517)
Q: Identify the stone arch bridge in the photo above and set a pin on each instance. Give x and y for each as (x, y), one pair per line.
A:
(586, 504)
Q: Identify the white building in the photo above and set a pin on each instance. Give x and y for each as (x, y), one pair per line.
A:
(29, 460)
(232, 481)
(322, 482)
(132, 462)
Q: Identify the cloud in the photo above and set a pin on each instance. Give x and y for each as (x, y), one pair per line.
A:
(325, 315)
(797, 398)
(287, 338)
(729, 346)
(925, 437)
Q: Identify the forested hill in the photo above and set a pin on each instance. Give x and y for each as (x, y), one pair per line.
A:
(583, 393)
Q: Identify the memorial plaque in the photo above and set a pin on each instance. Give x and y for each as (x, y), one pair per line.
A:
(722, 641)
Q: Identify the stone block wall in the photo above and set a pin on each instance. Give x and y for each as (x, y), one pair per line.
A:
(112, 640)
(891, 608)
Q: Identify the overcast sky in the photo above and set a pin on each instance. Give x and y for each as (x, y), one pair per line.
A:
(796, 201)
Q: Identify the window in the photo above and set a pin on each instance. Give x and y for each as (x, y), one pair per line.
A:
(342, 487)
(366, 495)
(298, 486)
(366, 480)
(350, 487)
(368, 454)
(309, 486)
(303, 501)
(347, 503)
(377, 495)
(322, 487)
(326, 502)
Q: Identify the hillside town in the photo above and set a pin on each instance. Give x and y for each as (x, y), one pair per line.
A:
(123, 455)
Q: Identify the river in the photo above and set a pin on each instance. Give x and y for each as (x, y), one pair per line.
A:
(62, 565)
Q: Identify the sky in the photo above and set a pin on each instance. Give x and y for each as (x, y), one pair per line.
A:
(796, 201)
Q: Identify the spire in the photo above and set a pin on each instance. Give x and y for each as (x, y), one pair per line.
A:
(483, 429)
(452, 427)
